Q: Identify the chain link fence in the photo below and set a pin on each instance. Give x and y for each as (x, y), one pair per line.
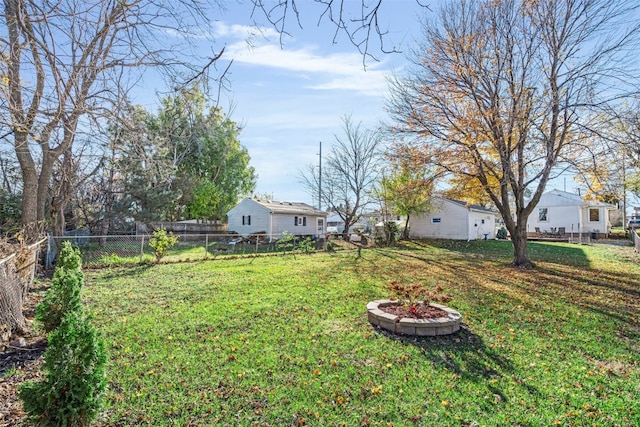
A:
(135, 249)
(16, 276)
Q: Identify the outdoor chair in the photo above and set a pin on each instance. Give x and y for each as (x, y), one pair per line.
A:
(538, 232)
(561, 231)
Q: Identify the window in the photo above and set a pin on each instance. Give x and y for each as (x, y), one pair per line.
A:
(543, 214)
(304, 220)
(295, 221)
(436, 220)
(246, 220)
(594, 215)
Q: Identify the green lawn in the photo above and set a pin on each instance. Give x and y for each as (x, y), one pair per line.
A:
(284, 341)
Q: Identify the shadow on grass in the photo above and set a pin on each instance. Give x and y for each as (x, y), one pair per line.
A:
(612, 294)
(462, 353)
(588, 288)
(18, 357)
(501, 250)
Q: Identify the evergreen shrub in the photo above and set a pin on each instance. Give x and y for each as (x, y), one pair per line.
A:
(64, 295)
(71, 393)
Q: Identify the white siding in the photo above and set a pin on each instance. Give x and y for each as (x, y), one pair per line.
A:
(282, 223)
(601, 226)
(453, 223)
(481, 223)
(569, 211)
(557, 216)
(259, 218)
(450, 220)
(262, 220)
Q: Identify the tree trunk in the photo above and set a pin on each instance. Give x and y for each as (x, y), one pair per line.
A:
(345, 230)
(44, 181)
(29, 187)
(405, 232)
(519, 241)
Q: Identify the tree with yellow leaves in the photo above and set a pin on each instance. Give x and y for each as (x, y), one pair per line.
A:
(407, 190)
(501, 90)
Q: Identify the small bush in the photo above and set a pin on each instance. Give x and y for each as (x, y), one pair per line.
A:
(161, 242)
(70, 257)
(285, 242)
(71, 393)
(501, 234)
(64, 295)
(391, 233)
(307, 246)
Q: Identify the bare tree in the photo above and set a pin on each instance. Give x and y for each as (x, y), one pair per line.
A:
(359, 21)
(63, 61)
(349, 173)
(501, 92)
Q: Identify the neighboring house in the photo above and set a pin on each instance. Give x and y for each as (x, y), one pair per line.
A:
(335, 224)
(252, 216)
(454, 219)
(561, 209)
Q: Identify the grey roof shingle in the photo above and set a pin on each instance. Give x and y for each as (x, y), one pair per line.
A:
(290, 207)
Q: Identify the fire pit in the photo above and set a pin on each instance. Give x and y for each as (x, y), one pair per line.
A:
(445, 325)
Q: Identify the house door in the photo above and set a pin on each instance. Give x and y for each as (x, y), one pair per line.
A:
(320, 227)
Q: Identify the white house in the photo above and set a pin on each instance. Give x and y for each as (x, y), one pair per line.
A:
(454, 219)
(558, 209)
(252, 216)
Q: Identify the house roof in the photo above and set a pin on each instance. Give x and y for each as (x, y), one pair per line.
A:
(472, 207)
(562, 198)
(290, 207)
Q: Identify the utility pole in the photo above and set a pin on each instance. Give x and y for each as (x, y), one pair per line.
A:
(624, 195)
(320, 177)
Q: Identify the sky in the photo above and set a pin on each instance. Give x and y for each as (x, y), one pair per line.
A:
(291, 93)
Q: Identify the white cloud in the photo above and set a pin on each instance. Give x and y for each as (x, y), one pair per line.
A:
(336, 71)
(290, 98)
(249, 33)
(367, 84)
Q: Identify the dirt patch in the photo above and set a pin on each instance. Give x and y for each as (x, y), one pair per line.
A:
(414, 311)
(20, 360)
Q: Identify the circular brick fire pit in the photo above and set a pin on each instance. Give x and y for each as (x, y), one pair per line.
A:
(408, 326)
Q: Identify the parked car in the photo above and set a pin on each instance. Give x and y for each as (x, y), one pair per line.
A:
(633, 223)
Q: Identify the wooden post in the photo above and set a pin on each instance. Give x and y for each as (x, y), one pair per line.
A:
(141, 248)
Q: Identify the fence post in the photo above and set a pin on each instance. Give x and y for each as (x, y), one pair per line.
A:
(47, 260)
(206, 246)
(141, 248)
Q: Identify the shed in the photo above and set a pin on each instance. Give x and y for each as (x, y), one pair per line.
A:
(454, 219)
(558, 209)
(252, 216)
